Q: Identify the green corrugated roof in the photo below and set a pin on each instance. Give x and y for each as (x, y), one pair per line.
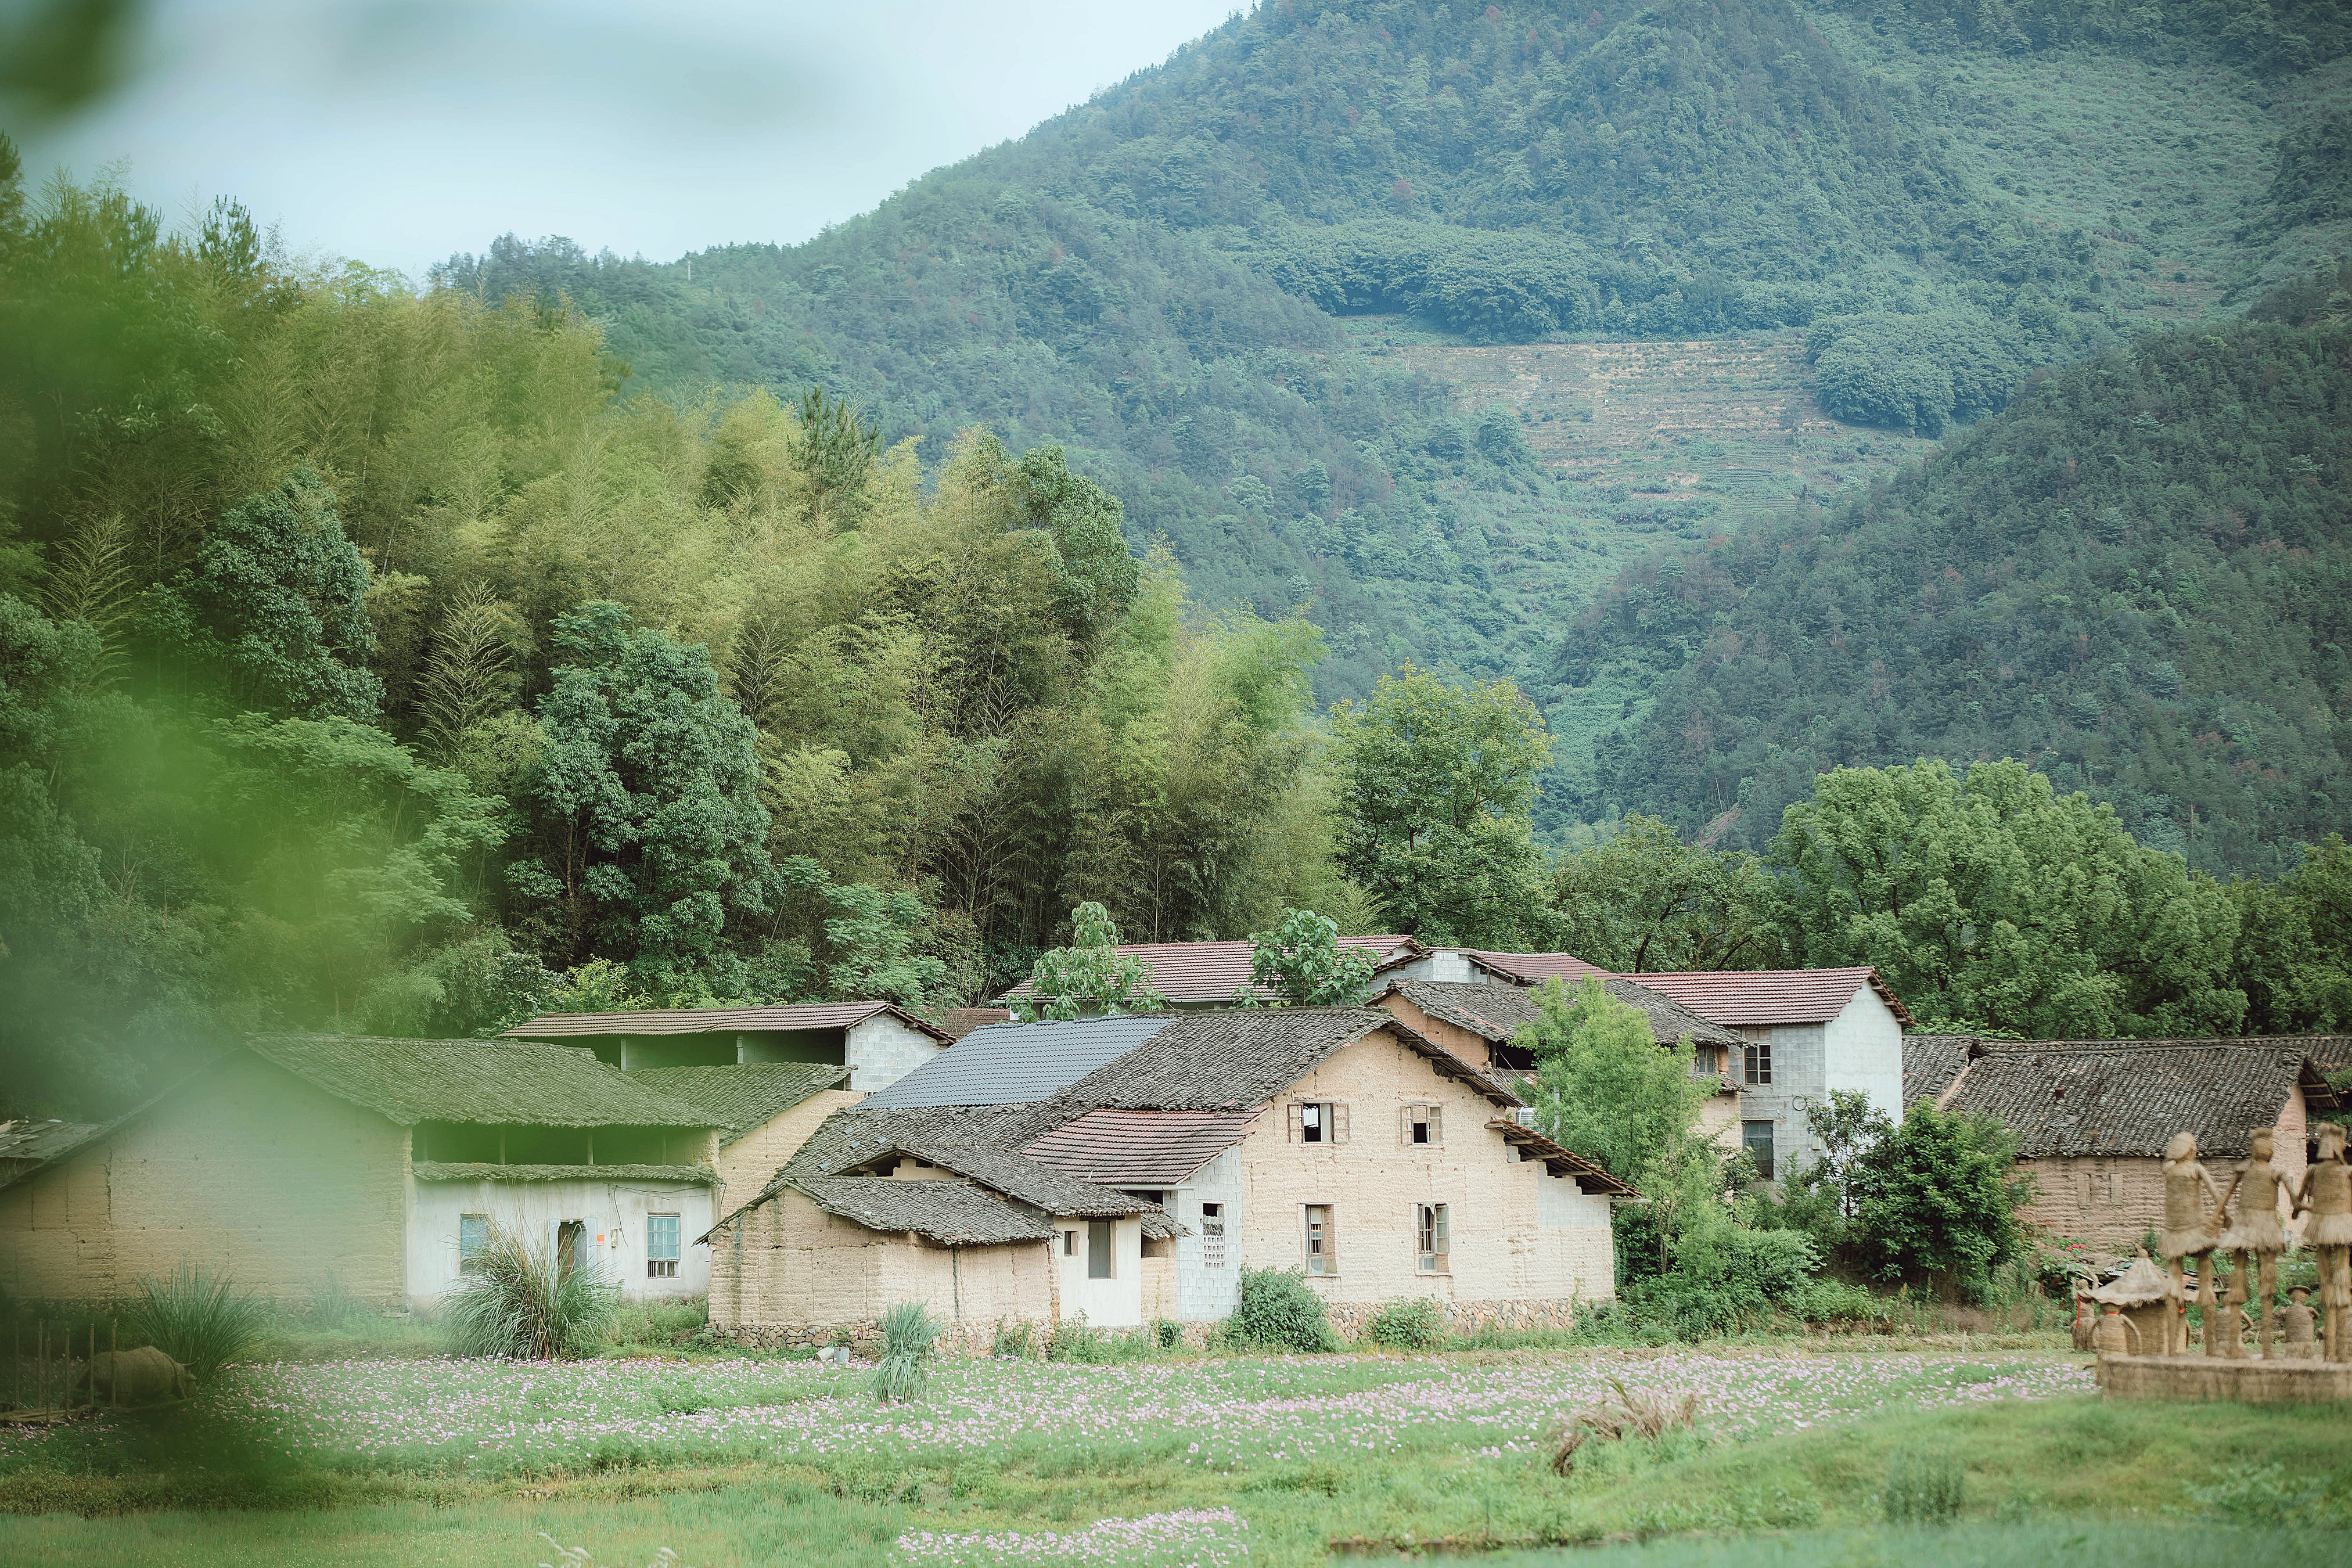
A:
(500, 1081)
(741, 1097)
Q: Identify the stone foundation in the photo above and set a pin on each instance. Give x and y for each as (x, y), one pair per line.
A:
(2247, 1381)
(1468, 1318)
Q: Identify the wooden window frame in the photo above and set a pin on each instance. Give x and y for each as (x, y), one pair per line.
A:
(1330, 1122)
(1432, 1239)
(1426, 1117)
(1328, 1257)
(656, 1266)
(1764, 1167)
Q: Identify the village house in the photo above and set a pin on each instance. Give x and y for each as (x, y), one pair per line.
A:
(377, 1164)
(24, 1144)
(1335, 1140)
(878, 1042)
(763, 1110)
(1467, 966)
(2092, 1117)
(1206, 975)
(1803, 1033)
(1478, 1019)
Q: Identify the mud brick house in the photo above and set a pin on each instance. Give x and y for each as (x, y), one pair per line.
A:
(763, 1110)
(2092, 1117)
(375, 1162)
(1477, 1020)
(877, 1042)
(1207, 975)
(24, 1144)
(1335, 1140)
(1803, 1033)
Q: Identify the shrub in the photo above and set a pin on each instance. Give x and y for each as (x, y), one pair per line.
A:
(1415, 1325)
(1277, 1312)
(198, 1319)
(1923, 1488)
(1167, 1332)
(519, 1302)
(1011, 1341)
(903, 1374)
(1074, 1339)
(1722, 1278)
(1835, 1301)
(332, 1303)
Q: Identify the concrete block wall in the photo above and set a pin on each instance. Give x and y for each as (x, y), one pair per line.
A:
(246, 1170)
(882, 1050)
(1205, 1293)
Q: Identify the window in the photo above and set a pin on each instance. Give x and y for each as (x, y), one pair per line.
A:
(1318, 1121)
(1756, 1137)
(473, 1235)
(1432, 1232)
(661, 1246)
(1069, 1244)
(1423, 1124)
(1100, 1240)
(1322, 1242)
(1758, 1056)
(1212, 1236)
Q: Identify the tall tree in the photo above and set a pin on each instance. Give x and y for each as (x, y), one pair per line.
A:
(1646, 900)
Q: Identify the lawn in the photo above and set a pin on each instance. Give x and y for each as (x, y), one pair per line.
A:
(1182, 1459)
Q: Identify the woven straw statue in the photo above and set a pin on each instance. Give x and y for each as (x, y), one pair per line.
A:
(2255, 1236)
(2326, 1197)
(2114, 1334)
(2296, 1319)
(2190, 1232)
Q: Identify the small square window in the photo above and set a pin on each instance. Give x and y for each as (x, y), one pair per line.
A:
(661, 1246)
(473, 1235)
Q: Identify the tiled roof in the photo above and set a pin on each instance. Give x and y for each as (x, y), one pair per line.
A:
(43, 1140)
(449, 1170)
(1216, 971)
(956, 1214)
(1241, 1058)
(1930, 1063)
(957, 1022)
(742, 1097)
(1744, 997)
(476, 1080)
(1016, 1064)
(781, 1015)
(2129, 1097)
(1592, 1176)
(1534, 968)
(1163, 1228)
(2332, 1052)
(1040, 1185)
(1140, 1148)
(1497, 1011)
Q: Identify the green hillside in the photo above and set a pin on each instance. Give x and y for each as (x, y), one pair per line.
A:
(2138, 577)
(1159, 279)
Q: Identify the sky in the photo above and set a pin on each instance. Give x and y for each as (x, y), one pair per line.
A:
(397, 133)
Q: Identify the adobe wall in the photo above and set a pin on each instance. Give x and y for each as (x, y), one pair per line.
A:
(748, 1164)
(786, 1273)
(2111, 1200)
(1501, 1247)
(1471, 1048)
(246, 1170)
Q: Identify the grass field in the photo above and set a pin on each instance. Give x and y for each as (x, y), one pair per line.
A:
(1183, 1460)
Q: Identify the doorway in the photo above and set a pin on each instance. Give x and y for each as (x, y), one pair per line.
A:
(571, 1245)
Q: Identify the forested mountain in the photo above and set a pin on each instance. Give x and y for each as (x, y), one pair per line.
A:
(1153, 278)
(2139, 576)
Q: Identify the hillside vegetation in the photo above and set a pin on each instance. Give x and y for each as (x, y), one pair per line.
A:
(1152, 279)
(2138, 575)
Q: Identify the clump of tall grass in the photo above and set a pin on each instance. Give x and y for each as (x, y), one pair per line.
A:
(519, 1301)
(1634, 1412)
(904, 1373)
(199, 1319)
(1923, 1488)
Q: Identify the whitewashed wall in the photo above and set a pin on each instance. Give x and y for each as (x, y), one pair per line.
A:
(614, 1213)
(1203, 1294)
(1113, 1303)
(1862, 1050)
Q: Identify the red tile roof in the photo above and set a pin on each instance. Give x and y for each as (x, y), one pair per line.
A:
(1740, 997)
(957, 1022)
(1214, 970)
(1140, 1148)
(719, 1020)
(1535, 968)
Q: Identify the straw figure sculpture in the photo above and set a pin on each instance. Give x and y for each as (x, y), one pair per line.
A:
(2326, 1197)
(2190, 1231)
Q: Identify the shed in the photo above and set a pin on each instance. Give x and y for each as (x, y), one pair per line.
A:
(879, 1042)
(765, 1112)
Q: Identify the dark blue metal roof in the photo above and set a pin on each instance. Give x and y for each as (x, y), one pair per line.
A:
(1018, 1064)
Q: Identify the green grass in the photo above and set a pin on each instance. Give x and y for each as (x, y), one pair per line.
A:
(2175, 1481)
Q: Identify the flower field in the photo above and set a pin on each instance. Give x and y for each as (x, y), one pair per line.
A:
(493, 1418)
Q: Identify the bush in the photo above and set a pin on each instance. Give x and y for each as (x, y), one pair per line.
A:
(198, 1319)
(1724, 1278)
(1278, 1312)
(1011, 1341)
(1835, 1301)
(520, 1304)
(1923, 1488)
(1415, 1325)
(903, 1374)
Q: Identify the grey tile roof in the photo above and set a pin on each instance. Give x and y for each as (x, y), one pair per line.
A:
(1140, 1148)
(1019, 1064)
(781, 1016)
(956, 1214)
(43, 1140)
(504, 1082)
(2129, 1097)
(1497, 1011)
(1930, 1062)
(741, 1098)
(453, 1171)
(1233, 1060)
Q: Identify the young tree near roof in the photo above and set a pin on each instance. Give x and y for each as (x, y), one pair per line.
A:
(1090, 976)
(1436, 784)
(1935, 1198)
(1301, 958)
(1989, 898)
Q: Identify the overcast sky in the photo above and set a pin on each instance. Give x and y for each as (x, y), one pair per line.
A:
(397, 133)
